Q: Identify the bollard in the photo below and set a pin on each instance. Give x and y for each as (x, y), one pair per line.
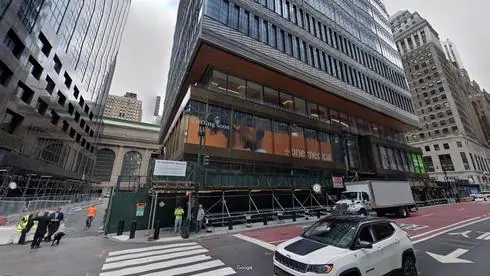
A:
(317, 213)
(230, 224)
(294, 216)
(156, 232)
(120, 227)
(248, 219)
(132, 230)
(264, 219)
(185, 229)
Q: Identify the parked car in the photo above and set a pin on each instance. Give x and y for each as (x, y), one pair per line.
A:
(485, 195)
(348, 246)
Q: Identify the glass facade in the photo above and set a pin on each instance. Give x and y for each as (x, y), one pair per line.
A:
(230, 14)
(58, 117)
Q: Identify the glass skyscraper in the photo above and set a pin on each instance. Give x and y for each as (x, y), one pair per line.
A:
(57, 59)
(291, 92)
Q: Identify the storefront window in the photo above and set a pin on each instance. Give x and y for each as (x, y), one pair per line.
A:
(391, 156)
(236, 86)
(298, 149)
(218, 81)
(263, 135)
(334, 117)
(363, 126)
(300, 106)
(313, 110)
(375, 129)
(271, 97)
(323, 114)
(242, 135)
(399, 161)
(384, 157)
(254, 92)
(218, 127)
(377, 158)
(312, 145)
(194, 111)
(344, 121)
(325, 146)
(354, 160)
(281, 138)
(286, 101)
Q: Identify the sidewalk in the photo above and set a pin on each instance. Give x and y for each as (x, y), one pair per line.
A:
(9, 235)
(167, 235)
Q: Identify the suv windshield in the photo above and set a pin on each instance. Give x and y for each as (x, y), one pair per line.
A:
(338, 233)
(349, 195)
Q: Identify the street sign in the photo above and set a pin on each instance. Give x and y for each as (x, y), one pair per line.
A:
(451, 258)
(140, 209)
(338, 182)
(161, 204)
(170, 168)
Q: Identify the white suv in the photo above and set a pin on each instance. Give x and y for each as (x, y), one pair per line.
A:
(348, 246)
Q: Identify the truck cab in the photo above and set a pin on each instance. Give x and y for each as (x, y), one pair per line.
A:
(354, 202)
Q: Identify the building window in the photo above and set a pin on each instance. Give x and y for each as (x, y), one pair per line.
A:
(254, 91)
(427, 148)
(131, 164)
(466, 164)
(446, 162)
(428, 163)
(445, 145)
(459, 144)
(436, 147)
(105, 163)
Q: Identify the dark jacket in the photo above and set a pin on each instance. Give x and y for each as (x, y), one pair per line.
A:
(59, 219)
(42, 223)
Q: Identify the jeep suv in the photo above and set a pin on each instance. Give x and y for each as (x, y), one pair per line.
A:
(348, 246)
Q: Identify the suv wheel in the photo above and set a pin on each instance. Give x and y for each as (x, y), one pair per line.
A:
(363, 212)
(408, 266)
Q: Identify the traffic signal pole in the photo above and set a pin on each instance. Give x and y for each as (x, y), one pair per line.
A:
(202, 134)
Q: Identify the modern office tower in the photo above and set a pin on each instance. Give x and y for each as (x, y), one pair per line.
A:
(291, 93)
(125, 107)
(156, 111)
(452, 53)
(57, 60)
(450, 136)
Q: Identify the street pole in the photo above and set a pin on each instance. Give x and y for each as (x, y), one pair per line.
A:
(346, 157)
(197, 176)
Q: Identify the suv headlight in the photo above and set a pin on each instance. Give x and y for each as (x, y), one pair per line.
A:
(326, 268)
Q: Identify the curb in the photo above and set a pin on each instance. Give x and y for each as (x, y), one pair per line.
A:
(193, 237)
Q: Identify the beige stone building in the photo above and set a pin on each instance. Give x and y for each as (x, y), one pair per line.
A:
(125, 151)
(125, 107)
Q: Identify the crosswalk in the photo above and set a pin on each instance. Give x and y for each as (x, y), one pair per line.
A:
(164, 260)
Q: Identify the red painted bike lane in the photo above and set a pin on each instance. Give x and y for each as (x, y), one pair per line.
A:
(426, 221)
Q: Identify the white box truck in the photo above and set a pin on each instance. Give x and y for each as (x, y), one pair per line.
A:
(363, 197)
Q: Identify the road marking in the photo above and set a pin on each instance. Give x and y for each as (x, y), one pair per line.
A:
(150, 253)
(135, 250)
(485, 236)
(460, 209)
(450, 229)
(451, 258)
(427, 215)
(187, 269)
(175, 259)
(464, 234)
(444, 227)
(152, 259)
(218, 272)
(258, 242)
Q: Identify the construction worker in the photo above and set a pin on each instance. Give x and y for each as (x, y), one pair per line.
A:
(25, 225)
(91, 212)
(178, 218)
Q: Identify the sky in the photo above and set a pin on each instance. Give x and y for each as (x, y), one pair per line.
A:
(146, 46)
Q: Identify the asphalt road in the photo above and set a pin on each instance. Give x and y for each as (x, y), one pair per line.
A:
(454, 241)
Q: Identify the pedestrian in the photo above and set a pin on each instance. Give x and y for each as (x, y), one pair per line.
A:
(200, 218)
(91, 212)
(25, 225)
(178, 218)
(42, 226)
(55, 220)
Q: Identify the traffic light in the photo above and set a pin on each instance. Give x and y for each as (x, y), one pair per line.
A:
(205, 161)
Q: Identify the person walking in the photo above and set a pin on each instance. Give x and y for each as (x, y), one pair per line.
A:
(55, 220)
(25, 225)
(200, 218)
(179, 212)
(91, 212)
(42, 226)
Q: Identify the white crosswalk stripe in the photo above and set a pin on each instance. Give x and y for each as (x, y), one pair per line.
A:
(164, 260)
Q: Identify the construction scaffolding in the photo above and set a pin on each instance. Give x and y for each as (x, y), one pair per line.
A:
(22, 191)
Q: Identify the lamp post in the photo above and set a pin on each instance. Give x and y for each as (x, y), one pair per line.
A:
(197, 174)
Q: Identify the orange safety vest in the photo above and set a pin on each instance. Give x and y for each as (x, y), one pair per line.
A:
(91, 212)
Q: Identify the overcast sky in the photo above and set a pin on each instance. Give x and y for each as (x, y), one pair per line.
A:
(144, 54)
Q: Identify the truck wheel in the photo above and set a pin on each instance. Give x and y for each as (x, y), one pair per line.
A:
(363, 212)
(403, 212)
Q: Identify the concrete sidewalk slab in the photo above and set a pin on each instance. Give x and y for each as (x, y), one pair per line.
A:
(167, 235)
